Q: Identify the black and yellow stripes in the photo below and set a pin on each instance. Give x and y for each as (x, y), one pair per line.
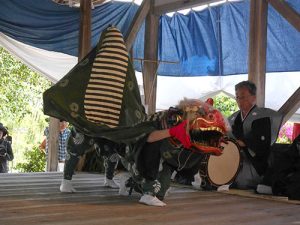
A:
(104, 93)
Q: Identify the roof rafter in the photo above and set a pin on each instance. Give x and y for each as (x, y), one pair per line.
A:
(290, 106)
(179, 4)
(136, 23)
(284, 9)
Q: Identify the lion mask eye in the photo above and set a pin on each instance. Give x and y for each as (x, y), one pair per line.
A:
(201, 111)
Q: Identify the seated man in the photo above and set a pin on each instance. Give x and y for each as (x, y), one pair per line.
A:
(255, 130)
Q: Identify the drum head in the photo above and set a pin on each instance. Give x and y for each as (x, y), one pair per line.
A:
(224, 168)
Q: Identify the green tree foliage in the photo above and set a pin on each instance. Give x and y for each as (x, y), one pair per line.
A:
(35, 161)
(21, 104)
(225, 104)
(20, 88)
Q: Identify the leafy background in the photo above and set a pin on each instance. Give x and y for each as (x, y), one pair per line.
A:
(21, 101)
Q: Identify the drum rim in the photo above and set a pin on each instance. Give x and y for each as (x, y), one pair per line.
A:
(237, 172)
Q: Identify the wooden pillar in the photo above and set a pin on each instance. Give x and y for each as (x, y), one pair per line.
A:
(84, 45)
(85, 29)
(83, 50)
(52, 160)
(258, 47)
(151, 63)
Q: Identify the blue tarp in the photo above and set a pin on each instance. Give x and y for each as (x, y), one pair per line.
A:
(47, 25)
(210, 42)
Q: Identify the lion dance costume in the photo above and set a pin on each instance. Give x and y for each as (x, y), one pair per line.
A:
(101, 99)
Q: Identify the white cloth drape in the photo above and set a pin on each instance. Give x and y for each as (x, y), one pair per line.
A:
(52, 65)
(170, 90)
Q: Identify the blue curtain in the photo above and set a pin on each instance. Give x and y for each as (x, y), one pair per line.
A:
(47, 25)
(211, 42)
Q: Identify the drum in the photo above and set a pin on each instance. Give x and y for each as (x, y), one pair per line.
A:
(216, 171)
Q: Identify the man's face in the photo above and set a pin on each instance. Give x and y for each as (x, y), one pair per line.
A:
(244, 99)
(1, 134)
(63, 125)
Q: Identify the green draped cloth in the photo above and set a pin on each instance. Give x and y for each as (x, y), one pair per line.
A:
(100, 95)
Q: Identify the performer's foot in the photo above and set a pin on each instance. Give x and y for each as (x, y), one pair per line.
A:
(264, 189)
(151, 200)
(197, 181)
(66, 186)
(111, 184)
(123, 179)
(224, 187)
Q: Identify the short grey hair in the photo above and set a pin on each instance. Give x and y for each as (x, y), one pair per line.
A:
(247, 84)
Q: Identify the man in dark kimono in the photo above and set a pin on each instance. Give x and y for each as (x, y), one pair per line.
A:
(255, 130)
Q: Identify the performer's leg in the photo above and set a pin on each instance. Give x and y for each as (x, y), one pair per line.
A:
(111, 163)
(149, 160)
(77, 145)
(110, 166)
(107, 150)
(148, 165)
(165, 180)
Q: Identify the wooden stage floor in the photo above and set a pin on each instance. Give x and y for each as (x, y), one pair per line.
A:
(34, 199)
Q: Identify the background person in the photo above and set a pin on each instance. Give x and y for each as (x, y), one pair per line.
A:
(6, 153)
(64, 134)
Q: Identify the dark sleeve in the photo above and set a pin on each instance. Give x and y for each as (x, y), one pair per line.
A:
(260, 138)
(10, 154)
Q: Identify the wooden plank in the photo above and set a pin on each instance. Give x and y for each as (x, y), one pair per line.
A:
(71, 3)
(151, 64)
(136, 23)
(290, 106)
(96, 204)
(291, 15)
(178, 5)
(258, 47)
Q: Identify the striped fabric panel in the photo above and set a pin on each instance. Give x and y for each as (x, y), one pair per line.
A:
(158, 116)
(104, 93)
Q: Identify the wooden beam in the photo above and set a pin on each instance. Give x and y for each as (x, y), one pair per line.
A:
(258, 47)
(291, 15)
(98, 2)
(84, 45)
(290, 106)
(85, 29)
(179, 4)
(136, 23)
(52, 160)
(150, 67)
